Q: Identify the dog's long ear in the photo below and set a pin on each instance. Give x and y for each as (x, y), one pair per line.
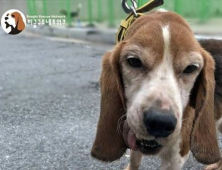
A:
(109, 144)
(19, 21)
(188, 116)
(204, 145)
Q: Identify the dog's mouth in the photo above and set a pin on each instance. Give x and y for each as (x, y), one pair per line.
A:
(142, 145)
(7, 24)
(148, 146)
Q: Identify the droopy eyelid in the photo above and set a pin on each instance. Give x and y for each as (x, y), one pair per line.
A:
(196, 64)
(131, 56)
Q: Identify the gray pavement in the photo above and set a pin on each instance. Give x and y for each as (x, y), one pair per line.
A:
(49, 105)
(94, 34)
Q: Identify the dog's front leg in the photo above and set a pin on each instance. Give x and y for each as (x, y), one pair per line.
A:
(171, 158)
(135, 160)
(215, 166)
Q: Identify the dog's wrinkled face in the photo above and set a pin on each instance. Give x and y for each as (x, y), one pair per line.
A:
(159, 65)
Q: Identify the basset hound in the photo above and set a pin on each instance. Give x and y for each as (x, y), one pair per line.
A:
(14, 22)
(161, 94)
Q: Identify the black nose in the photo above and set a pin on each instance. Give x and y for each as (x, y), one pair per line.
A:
(159, 123)
(6, 18)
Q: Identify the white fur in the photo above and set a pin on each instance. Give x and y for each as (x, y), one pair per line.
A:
(162, 85)
(219, 125)
(11, 20)
(219, 122)
(166, 38)
(162, 10)
(135, 160)
(171, 158)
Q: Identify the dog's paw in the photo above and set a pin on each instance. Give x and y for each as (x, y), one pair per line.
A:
(131, 168)
(127, 168)
(215, 166)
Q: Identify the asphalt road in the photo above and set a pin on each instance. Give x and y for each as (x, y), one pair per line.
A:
(49, 106)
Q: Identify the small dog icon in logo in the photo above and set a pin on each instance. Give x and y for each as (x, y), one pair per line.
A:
(13, 22)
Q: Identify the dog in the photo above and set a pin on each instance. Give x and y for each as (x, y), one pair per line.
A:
(14, 22)
(161, 94)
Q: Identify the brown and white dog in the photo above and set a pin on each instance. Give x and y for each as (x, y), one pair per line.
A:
(159, 95)
(14, 22)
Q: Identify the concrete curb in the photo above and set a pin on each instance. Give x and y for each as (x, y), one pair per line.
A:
(107, 36)
(86, 34)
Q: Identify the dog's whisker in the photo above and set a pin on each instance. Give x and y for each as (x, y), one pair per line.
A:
(120, 122)
(184, 119)
(119, 127)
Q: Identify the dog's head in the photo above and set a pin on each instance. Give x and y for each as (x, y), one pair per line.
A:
(153, 76)
(15, 20)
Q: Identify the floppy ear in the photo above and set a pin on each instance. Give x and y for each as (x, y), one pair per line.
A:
(204, 143)
(109, 144)
(19, 21)
(187, 122)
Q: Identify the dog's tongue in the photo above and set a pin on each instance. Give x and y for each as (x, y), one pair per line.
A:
(129, 137)
(132, 140)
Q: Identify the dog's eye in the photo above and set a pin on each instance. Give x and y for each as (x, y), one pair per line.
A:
(13, 16)
(190, 69)
(134, 62)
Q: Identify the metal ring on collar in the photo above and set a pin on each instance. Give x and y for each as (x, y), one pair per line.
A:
(128, 9)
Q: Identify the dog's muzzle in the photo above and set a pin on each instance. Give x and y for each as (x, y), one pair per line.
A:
(144, 146)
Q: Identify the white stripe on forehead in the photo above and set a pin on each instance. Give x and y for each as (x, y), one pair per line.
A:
(165, 68)
(166, 40)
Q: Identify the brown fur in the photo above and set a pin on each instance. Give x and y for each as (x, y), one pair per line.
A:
(109, 144)
(19, 21)
(214, 47)
(187, 123)
(204, 143)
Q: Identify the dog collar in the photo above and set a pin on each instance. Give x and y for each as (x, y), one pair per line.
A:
(125, 24)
